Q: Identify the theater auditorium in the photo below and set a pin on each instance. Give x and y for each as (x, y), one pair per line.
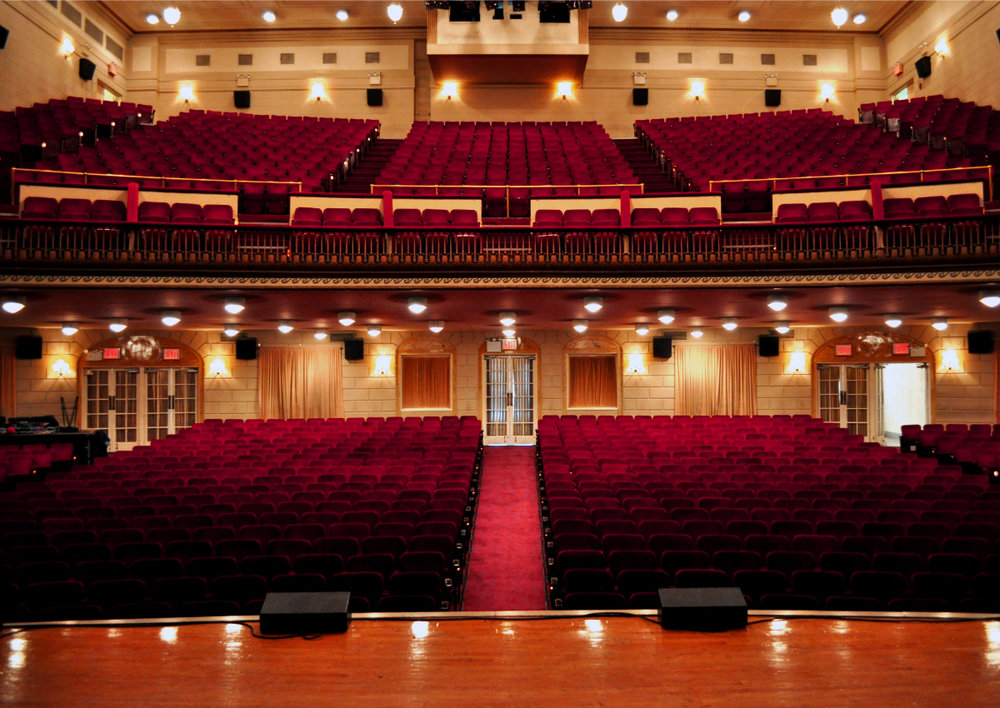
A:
(612, 353)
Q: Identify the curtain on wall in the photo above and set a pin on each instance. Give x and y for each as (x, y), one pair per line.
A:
(715, 380)
(425, 382)
(301, 382)
(8, 383)
(593, 382)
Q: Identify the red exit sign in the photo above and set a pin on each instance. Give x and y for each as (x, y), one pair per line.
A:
(111, 353)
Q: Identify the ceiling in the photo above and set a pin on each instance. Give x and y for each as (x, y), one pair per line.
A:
(232, 15)
(478, 309)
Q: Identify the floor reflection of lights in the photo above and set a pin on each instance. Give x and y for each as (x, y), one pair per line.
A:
(992, 654)
(168, 634)
(593, 631)
(420, 631)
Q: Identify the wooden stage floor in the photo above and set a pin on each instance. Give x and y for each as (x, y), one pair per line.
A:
(507, 659)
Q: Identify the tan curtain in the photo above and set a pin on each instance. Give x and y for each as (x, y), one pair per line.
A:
(425, 382)
(8, 383)
(593, 382)
(301, 382)
(715, 380)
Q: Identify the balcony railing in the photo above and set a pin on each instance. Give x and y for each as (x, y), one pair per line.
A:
(916, 243)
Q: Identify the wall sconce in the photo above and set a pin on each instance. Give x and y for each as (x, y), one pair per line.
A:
(941, 47)
(317, 91)
(186, 92)
(697, 90)
(61, 369)
(796, 363)
(564, 90)
(950, 363)
(67, 48)
(636, 364)
(382, 365)
(217, 368)
(450, 90)
(826, 92)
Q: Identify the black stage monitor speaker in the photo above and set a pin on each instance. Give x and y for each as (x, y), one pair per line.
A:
(246, 348)
(241, 99)
(640, 96)
(374, 97)
(702, 609)
(4, 33)
(767, 345)
(87, 69)
(354, 349)
(662, 347)
(305, 613)
(981, 341)
(923, 66)
(28, 347)
(772, 97)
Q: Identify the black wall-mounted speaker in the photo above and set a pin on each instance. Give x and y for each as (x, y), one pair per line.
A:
(923, 66)
(241, 99)
(463, 12)
(305, 613)
(640, 97)
(4, 33)
(768, 345)
(354, 349)
(702, 609)
(246, 348)
(28, 347)
(87, 69)
(662, 347)
(553, 12)
(772, 97)
(981, 341)
(374, 97)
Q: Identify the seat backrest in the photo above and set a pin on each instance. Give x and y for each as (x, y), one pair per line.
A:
(366, 216)
(703, 216)
(39, 208)
(576, 217)
(792, 212)
(154, 211)
(108, 210)
(855, 210)
(184, 212)
(898, 208)
(335, 216)
(406, 217)
(964, 204)
(935, 205)
(308, 216)
(435, 217)
(606, 217)
(548, 217)
(646, 216)
(74, 209)
(217, 214)
(464, 217)
(823, 211)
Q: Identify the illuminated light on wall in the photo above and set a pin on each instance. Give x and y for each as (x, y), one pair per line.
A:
(450, 89)
(697, 90)
(941, 47)
(217, 367)
(950, 362)
(317, 91)
(635, 363)
(61, 369)
(67, 48)
(186, 92)
(382, 365)
(796, 363)
(827, 91)
(564, 90)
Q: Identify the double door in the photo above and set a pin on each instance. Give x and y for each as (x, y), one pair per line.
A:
(136, 405)
(509, 399)
(875, 400)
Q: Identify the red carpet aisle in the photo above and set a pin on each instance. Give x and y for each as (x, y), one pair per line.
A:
(506, 570)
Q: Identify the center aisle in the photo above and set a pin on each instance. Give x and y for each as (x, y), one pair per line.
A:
(506, 569)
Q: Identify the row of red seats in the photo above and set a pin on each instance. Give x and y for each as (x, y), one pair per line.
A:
(107, 210)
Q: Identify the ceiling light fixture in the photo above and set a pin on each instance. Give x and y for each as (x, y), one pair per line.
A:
(435, 326)
(777, 302)
(374, 330)
(70, 328)
(234, 305)
(860, 18)
(230, 331)
(285, 328)
(593, 304)
(118, 326)
(172, 16)
(580, 326)
(839, 16)
(729, 324)
(642, 330)
(320, 335)
(696, 333)
(269, 16)
(170, 317)
(666, 316)
(782, 327)
(342, 15)
(153, 19)
(838, 314)
(509, 333)
(893, 321)
(508, 318)
(619, 12)
(346, 318)
(13, 304)
(416, 305)
(744, 16)
(672, 15)
(395, 12)
(940, 323)
(990, 298)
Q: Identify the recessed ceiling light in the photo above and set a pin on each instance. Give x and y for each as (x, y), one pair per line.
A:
(940, 323)
(893, 321)
(230, 331)
(346, 318)
(990, 298)
(593, 303)
(13, 303)
(671, 15)
(777, 302)
(580, 326)
(642, 330)
(170, 317)
(342, 15)
(508, 318)
(782, 327)
(665, 316)
(839, 16)
(70, 328)
(234, 305)
(118, 326)
(416, 305)
(395, 12)
(374, 330)
(269, 16)
(744, 16)
(285, 328)
(509, 333)
(619, 12)
(696, 333)
(729, 324)
(860, 18)
(153, 18)
(435, 326)
(838, 314)
(320, 335)
(172, 15)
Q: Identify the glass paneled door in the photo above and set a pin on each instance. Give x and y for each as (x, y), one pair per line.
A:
(509, 399)
(843, 396)
(170, 401)
(112, 405)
